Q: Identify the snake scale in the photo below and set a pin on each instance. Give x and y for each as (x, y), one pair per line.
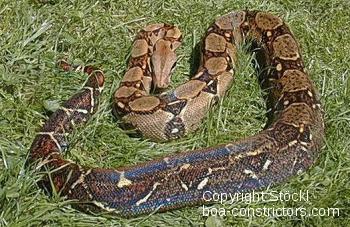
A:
(289, 144)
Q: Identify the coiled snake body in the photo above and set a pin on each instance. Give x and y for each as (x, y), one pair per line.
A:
(289, 145)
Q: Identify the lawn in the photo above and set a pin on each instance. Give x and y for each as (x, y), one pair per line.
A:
(34, 34)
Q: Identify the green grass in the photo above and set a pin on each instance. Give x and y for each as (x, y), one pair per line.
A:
(36, 33)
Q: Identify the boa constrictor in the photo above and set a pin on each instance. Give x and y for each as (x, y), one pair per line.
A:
(289, 145)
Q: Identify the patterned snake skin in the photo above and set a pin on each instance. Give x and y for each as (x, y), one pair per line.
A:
(289, 145)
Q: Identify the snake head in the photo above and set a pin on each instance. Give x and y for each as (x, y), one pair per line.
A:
(163, 62)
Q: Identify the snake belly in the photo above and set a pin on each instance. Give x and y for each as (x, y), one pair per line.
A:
(289, 145)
